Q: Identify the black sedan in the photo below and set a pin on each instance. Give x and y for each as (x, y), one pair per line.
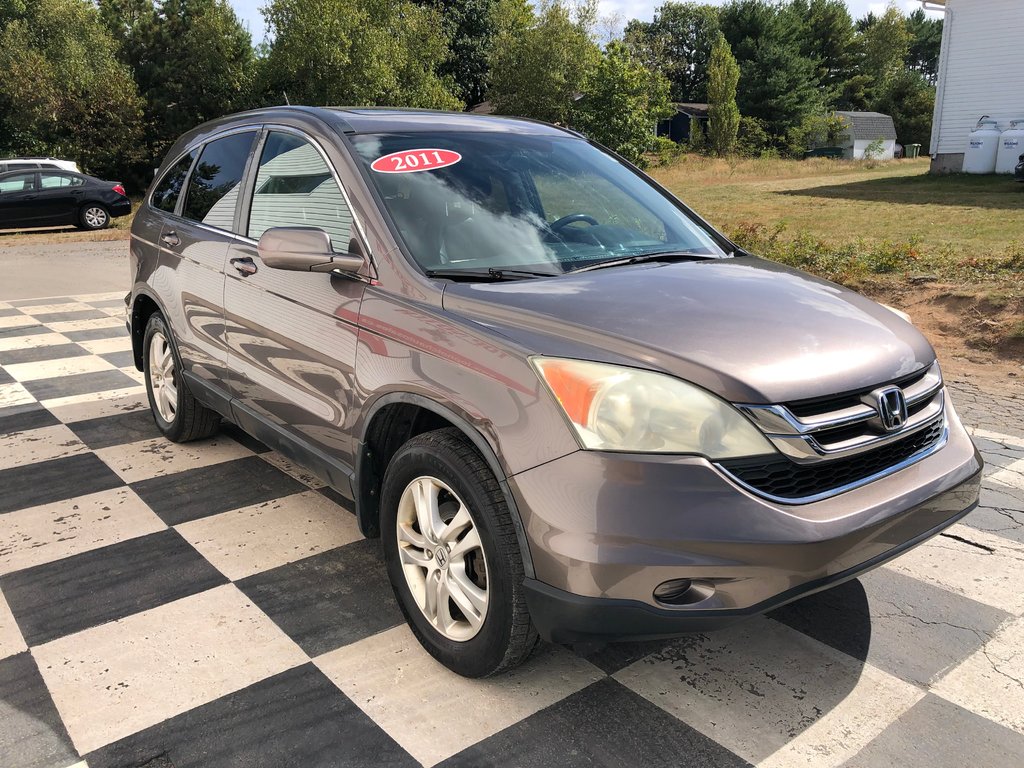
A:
(1018, 172)
(45, 198)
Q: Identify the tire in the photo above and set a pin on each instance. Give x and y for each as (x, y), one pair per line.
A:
(444, 461)
(93, 216)
(178, 415)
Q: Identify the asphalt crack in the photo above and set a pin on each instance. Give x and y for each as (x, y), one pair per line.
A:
(983, 547)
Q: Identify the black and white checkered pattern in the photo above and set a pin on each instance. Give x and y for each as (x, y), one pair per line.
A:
(212, 605)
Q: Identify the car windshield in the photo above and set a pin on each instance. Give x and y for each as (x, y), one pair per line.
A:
(482, 201)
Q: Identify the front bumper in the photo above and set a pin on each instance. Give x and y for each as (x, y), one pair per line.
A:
(606, 529)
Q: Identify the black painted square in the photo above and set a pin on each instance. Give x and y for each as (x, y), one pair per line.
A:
(95, 334)
(5, 377)
(123, 428)
(79, 384)
(82, 591)
(19, 418)
(206, 491)
(48, 481)
(295, 718)
(71, 316)
(38, 354)
(123, 359)
(328, 600)
(604, 724)
(32, 734)
(31, 329)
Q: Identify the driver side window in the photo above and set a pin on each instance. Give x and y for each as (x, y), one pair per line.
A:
(560, 195)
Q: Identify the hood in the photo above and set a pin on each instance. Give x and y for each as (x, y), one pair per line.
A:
(747, 329)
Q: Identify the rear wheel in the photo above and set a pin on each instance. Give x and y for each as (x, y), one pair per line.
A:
(453, 557)
(94, 216)
(178, 415)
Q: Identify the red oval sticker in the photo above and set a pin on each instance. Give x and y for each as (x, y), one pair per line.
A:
(413, 160)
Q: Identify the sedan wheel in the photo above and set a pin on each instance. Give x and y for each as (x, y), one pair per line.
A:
(95, 217)
(442, 558)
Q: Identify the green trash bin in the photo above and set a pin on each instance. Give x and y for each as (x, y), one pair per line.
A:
(910, 151)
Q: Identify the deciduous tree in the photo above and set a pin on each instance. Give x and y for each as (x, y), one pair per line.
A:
(723, 114)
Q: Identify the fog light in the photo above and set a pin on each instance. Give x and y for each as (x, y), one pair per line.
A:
(672, 590)
(683, 591)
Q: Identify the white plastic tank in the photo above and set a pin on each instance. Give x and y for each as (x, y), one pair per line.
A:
(982, 147)
(1011, 147)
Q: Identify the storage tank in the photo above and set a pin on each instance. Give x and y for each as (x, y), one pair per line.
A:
(1011, 147)
(982, 147)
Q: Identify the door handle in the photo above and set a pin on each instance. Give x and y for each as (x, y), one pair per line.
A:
(170, 239)
(245, 266)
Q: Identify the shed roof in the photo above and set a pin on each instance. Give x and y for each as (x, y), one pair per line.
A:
(692, 109)
(869, 125)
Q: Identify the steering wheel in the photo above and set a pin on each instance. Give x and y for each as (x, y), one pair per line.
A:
(572, 218)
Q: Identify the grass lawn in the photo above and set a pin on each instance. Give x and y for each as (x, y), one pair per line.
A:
(957, 226)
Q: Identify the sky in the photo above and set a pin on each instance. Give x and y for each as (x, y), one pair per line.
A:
(248, 10)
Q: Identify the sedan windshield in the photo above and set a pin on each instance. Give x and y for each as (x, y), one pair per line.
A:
(491, 203)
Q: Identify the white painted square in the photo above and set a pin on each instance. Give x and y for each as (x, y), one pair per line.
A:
(29, 341)
(50, 532)
(34, 445)
(56, 403)
(106, 346)
(98, 408)
(158, 456)
(772, 695)
(434, 713)
(988, 571)
(989, 681)
(14, 394)
(263, 536)
(116, 679)
(51, 369)
(11, 641)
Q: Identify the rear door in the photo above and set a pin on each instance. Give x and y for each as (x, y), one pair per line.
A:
(292, 335)
(18, 206)
(60, 195)
(193, 246)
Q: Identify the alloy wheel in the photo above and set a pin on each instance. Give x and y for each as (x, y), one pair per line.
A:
(442, 558)
(161, 377)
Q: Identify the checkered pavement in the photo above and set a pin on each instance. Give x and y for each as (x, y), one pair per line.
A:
(212, 605)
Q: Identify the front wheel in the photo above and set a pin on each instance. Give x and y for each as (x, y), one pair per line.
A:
(178, 415)
(453, 557)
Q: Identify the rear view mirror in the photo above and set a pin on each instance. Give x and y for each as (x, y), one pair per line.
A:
(304, 249)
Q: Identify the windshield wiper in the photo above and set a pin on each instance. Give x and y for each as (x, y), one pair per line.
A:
(494, 274)
(645, 257)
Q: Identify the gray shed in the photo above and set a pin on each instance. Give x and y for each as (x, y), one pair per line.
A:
(863, 128)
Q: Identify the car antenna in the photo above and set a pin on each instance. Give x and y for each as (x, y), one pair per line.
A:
(285, 94)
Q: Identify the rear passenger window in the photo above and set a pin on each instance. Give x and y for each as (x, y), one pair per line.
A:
(213, 186)
(51, 180)
(165, 196)
(21, 182)
(295, 188)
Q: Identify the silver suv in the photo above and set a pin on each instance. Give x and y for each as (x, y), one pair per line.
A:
(569, 407)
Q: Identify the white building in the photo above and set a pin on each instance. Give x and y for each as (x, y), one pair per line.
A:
(980, 73)
(864, 129)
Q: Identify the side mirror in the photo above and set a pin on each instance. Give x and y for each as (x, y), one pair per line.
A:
(304, 249)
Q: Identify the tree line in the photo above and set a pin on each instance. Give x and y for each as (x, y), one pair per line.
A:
(112, 83)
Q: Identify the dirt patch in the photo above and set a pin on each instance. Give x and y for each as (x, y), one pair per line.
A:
(978, 331)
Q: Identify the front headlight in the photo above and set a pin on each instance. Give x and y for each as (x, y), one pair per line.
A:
(613, 408)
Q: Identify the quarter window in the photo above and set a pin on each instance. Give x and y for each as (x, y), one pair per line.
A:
(213, 186)
(165, 196)
(54, 180)
(21, 182)
(295, 188)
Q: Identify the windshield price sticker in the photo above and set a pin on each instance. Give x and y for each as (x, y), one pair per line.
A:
(413, 160)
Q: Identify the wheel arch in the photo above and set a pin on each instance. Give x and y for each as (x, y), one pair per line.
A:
(391, 421)
(144, 306)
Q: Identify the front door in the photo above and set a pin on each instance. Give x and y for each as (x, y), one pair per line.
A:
(18, 200)
(292, 335)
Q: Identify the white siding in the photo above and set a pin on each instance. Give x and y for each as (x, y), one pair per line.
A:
(981, 69)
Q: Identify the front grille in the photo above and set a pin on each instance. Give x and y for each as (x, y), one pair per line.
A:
(817, 405)
(784, 479)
